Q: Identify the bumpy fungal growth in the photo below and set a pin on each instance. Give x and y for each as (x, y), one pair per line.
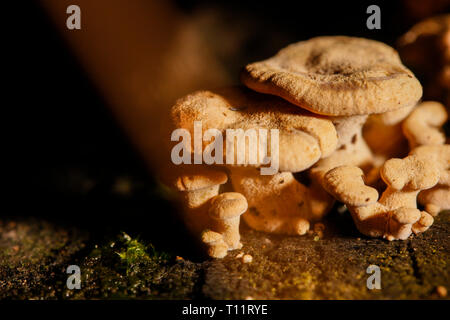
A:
(437, 198)
(278, 203)
(395, 214)
(423, 125)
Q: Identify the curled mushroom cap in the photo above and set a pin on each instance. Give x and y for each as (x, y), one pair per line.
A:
(338, 76)
(418, 46)
(227, 206)
(304, 138)
(440, 156)
(422, 127)
(412, 172)
(209, 236)
(197, 177)
(346, 184)
(437, 198)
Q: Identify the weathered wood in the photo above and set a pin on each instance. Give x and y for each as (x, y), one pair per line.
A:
(34, 255)
(334, 267)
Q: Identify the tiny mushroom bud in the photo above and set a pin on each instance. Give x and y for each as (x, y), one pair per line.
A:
(247, 258)
(226, 209)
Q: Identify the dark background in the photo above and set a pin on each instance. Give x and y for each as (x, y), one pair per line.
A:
(66, 154)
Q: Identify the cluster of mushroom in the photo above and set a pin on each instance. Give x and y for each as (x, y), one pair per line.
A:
(318, 94)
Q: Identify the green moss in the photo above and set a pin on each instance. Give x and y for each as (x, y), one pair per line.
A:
(133, 252)
(126, 268)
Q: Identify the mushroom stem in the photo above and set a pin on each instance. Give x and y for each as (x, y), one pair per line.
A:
(352, 149)
(196, 203)
(279, 203)
(226, 209)
(230, 231)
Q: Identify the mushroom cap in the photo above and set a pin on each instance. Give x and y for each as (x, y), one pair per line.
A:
(440, 156)
(196, 177)
(227, 205)
(412, 172)
(304, 137)
(209, 236)
(337, 76)
(346, 183)
(422, 127)
(406, 215)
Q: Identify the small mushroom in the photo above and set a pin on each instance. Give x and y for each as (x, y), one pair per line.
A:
(217, 248)
(395, 214)
(437, 198)
(226, 209)
(422, 127)
(347, 185)
(197, 185)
